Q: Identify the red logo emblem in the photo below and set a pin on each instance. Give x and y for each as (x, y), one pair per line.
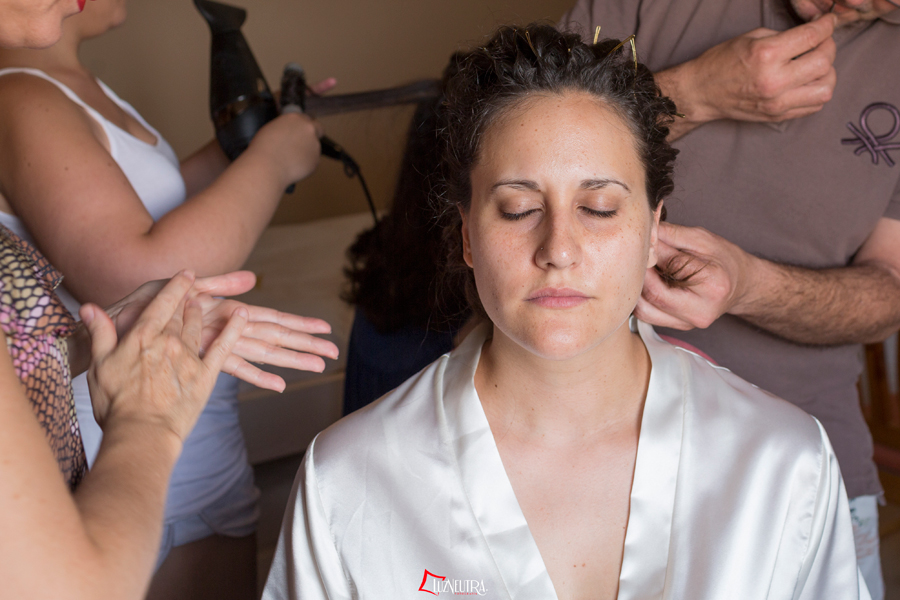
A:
(425, 580)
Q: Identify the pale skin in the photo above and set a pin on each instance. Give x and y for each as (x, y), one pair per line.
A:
(770, 76)
(34, 23)
(559, 233)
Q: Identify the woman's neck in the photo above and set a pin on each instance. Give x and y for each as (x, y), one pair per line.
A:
(600, 389)
(61, 58)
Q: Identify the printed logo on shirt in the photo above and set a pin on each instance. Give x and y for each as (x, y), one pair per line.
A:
(876, 144)
(435, 584)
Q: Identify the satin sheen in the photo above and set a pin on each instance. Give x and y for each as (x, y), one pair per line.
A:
(736, 494)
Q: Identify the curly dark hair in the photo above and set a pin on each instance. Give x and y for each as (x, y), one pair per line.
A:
(394, 267)
(517, 63)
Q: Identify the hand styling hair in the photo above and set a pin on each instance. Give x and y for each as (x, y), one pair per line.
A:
(517, 63)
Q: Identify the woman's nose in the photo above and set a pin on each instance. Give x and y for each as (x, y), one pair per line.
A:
(560, 246)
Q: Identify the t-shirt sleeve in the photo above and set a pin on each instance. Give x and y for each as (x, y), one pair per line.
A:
(306, 563)
(617, 18)
(893, 208)
(829, 568)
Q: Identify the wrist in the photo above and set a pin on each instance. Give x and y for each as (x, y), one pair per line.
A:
(151, 432)
(682, 85)
(757, 275)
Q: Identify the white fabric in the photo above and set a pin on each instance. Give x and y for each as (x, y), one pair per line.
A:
(214, 459)
(736, 494)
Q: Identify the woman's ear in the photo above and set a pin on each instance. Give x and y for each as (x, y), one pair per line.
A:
(652, 258)
(467, 247)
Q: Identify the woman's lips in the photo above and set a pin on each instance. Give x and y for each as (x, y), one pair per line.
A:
(558, 298)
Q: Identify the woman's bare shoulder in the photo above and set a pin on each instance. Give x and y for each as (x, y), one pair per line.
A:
(26, 99)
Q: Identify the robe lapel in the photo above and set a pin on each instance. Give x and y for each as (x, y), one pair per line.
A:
(495, 507)
(646, 555)
(487, 487)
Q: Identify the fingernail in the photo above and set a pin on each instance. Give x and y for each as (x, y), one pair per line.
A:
(189, 274)
(242, 313)
(87, 315)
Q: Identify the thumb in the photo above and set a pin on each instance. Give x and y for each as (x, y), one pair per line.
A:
(101, 329)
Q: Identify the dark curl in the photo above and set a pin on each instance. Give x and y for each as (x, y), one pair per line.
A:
(517, 63)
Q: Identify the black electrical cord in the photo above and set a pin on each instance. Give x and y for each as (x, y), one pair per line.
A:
(293, 97)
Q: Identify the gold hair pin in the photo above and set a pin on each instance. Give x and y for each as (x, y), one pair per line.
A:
(630, 39)
(596, 35)
(528, 39)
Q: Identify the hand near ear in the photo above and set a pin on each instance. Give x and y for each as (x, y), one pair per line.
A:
(699, 277)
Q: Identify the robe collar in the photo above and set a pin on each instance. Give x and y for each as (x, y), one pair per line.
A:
(495, 507)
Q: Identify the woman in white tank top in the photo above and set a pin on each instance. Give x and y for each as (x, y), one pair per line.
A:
(104, 197)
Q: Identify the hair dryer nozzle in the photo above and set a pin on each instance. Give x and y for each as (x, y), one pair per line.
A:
(240, 101)
(222, 18)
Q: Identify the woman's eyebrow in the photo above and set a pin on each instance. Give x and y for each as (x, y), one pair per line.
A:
(596, 184)
(520, 183)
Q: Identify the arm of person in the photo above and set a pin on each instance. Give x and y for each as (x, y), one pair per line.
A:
(859, 303)
(271, 337)
(306, 563)
(102, 541)
(829, 568)
(762, 76)
(89, 222)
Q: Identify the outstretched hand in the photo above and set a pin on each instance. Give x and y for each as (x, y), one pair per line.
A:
(269, 337)
(154, 375)
(716, 277)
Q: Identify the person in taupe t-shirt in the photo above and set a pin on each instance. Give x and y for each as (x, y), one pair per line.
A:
(796, 167)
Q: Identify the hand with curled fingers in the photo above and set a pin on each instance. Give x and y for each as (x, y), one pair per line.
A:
(699, 276)
(763, 75)
(270, 337)
(154, 375)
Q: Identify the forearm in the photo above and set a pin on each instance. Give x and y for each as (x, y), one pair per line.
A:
(856, 304)
(201, 169)
(121, 502)
(211, 233)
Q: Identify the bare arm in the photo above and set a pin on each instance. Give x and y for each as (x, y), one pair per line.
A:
(763, 76)
(855, 304)
(201, 168)
(88, 221)
(102, 541)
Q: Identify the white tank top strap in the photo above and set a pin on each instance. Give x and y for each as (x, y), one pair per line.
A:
(70, 95)
(130, 110)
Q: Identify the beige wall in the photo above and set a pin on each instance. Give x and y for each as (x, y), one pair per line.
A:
(159, 61)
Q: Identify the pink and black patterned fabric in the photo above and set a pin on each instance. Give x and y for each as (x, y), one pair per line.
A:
(36, 325)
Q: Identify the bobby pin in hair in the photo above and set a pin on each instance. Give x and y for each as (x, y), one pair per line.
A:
(596, 35)
(630, 38)
(528, 39)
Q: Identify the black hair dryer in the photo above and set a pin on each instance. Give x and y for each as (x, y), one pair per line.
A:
(240, 101)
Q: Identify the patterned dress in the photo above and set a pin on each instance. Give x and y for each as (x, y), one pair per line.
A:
(36, 325)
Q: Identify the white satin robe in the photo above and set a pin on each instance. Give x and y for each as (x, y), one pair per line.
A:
(736, 495)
